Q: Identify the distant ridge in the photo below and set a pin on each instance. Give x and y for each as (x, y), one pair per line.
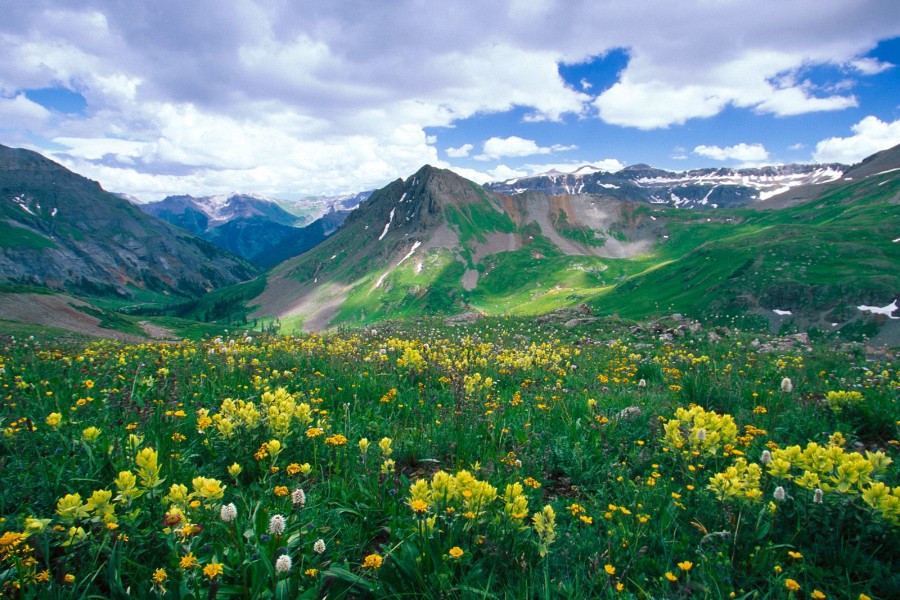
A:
(250, 226)
(63, 231)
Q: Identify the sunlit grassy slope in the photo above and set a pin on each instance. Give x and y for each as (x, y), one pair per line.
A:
(826, 256)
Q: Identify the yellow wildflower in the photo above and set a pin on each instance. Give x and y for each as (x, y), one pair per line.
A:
(372, 561)
(212, 570)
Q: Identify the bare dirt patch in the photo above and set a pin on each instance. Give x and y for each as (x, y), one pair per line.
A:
(57, 310)
(156, 332)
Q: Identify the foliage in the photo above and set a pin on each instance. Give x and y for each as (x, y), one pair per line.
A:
(504, 458)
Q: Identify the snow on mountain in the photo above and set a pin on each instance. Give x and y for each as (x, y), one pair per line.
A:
(699, 188)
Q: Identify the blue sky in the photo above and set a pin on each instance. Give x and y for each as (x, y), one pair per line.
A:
(311, 98)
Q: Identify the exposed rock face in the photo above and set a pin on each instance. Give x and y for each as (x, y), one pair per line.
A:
(60, 230)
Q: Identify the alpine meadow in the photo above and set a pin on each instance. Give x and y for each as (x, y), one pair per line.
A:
(523, 299)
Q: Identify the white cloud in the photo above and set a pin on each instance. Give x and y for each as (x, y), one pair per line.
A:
(870, 66)
(22, 111)
(513, 145)
(460, 152)
(309, 97)
(748, 153)
(870, 135)
(503, 172)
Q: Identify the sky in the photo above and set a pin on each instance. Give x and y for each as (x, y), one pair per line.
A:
(291, 98)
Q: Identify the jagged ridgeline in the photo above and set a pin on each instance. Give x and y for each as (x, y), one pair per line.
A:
(63, 231)
(253, 227)
(437, 243)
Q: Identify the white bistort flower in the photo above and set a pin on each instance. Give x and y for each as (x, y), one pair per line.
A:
(298, 497)
(283, 564)
(787, 386)
(319, 546)
(228, 512)
(276, 525)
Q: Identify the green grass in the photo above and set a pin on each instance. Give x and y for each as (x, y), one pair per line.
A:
(17, 237)
(472, 221)
(588, 424)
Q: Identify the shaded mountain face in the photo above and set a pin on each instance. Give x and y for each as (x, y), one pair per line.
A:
(250, 226)
(436, 243)
(199, 215)
(61, 230)
(700, 188)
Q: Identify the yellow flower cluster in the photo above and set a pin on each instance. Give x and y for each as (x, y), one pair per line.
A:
(461, 492)
(883, 500)
(700, 430)
(837, 401)
(280, 409)
(515, 502)
(829, 468)
(545, 527)
(738, 482)
(411, 359)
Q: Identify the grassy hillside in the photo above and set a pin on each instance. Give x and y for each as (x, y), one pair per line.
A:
(820, 259)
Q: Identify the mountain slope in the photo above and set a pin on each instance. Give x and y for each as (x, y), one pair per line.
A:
(439, 244)
(250, 226)
(60, 230)
(813, 263)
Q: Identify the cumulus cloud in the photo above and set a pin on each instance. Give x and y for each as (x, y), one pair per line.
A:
(504, 172)
(298, 98)
(513, 145)
(460, 152)
(870, 66)
(748, 153)
(870, 135)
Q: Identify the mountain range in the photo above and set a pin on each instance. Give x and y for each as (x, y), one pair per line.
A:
(795, 246)
(63, 231)
(250, 226)
(436, 243)
(699, 188)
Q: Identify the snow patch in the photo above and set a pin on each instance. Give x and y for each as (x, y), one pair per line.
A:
(388, 272)
(782, 313)
(897, 240)
(415, 245)
(387, 225)
(884, 172)
(881, 310)
(53, 212)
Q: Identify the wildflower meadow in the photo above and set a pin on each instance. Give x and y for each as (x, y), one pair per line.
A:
(505, 458)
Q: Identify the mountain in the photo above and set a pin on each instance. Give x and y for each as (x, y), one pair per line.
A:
(63, 231)
(699, 188)
(250, 226)
(439, 244)
(199, 215)
(311, 208)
